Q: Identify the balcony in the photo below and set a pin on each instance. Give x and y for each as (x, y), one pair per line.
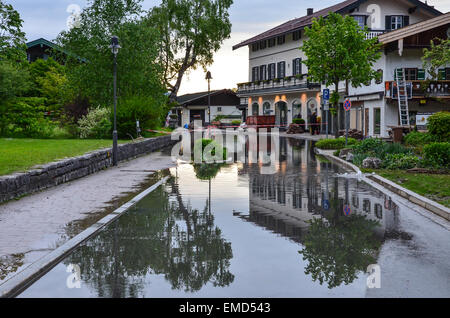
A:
(291, 83)
(375, 33)
(420, 89)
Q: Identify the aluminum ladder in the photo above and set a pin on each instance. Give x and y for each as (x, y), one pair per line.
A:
(402, 95)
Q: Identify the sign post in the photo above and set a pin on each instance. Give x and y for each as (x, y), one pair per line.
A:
(326, 106)
(347, 107)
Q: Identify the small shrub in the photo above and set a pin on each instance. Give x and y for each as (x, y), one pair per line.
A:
(337, 153)
(236, 122)
(334, 144)
(370, 145)
(205, 142)
(298, 121)
(400, 161)
(417, 139)
(439, 126)
(96, 124)
(358, 158)
(437, 155)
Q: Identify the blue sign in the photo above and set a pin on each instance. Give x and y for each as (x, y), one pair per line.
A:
(326, 94)
(326, 205)
(347, 105)
(347, 210)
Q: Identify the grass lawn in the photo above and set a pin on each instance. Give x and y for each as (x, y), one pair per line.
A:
(435, 187)
(22, 154)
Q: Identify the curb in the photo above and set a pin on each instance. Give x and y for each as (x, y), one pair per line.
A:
(22, 280)
(411, 196)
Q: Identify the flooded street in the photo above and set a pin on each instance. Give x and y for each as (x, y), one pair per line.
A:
(310, 229)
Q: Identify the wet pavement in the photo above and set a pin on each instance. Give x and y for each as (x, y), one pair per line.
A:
(310, 229)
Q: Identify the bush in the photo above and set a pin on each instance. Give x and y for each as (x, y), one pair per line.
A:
(298, 121)
(205, 142)
(439, 126)
(437, 155)
(142, 108)
(370, 145)
(417, 139)
(334, 144)
(236, 122)
(96, 124)
(400, 161)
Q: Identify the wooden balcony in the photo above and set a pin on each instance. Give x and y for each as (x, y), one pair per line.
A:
(420, 89)
(291, 83)
(375, 33)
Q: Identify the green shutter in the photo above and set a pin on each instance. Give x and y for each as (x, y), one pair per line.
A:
(441, 74)
(421, 75)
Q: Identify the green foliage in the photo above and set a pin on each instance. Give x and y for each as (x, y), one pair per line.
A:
(96, 124)
(190, 32)
(400, 161)
(338, 143)
(437, 56)
(373, 145)
(439, 126)
(143, 108)
(207, 171)
(417, 139)
(14, 80)
(213, 145)
(236, 122)
(337, 50)
(138, 72)
(298, 121)
(12, 39)
(437, 155)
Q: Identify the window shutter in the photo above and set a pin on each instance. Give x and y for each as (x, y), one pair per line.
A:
(279, 70)
(405, 20)
(421, 75)
(294, 67)
(283, 69)
(388, 23)
(441, 74)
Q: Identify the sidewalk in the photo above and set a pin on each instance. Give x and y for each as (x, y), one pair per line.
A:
(37, 224)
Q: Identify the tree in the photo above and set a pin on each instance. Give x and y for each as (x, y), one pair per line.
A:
(191, 31)
(12, 39)
(338, 50)
(90, 62)
(436, 57)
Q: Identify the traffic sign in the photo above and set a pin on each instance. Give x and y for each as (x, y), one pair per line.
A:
(326, 205)
(347, 105)
(347, 210)
(326, 94)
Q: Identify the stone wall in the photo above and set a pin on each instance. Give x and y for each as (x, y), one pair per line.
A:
(52, 174)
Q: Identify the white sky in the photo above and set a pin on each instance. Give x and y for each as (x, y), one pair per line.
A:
(46, 18)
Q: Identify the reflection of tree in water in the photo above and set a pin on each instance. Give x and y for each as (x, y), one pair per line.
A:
(205, 171)
(337, 249)
(10, 264)
(162, 237)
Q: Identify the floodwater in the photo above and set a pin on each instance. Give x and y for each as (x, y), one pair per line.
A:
(310, 229)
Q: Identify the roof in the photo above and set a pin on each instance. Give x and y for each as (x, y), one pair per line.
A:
(301, 23)
(414, 29)
(189, 98)
(54, 46)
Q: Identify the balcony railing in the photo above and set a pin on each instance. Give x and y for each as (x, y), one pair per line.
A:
(375, 33)
(420, 89)
(279, 84)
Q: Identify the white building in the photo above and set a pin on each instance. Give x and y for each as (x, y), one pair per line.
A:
(277, 78)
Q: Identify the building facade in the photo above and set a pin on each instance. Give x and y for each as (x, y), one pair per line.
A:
(278, 83)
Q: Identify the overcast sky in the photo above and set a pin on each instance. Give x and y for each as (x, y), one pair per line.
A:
(46, 18)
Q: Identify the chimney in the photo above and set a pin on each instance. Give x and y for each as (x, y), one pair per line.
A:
(310, 11)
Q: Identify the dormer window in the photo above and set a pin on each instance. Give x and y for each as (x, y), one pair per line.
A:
(394, 22)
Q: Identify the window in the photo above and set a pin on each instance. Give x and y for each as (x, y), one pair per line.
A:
(394, 22)
(255, 47)
(263, 72)
(411, 74)
(262, 45)
(266, 108)
(377, 121)
(366, 206)
(281, 70)
(296, 109)
(271, 71)
(297, 67)
(447, 73)
(379, 79)
(379, 211)
(219, 109)
(272, 42)
(281, 39)
(297, 35)
(255, 74)
(255, 109)
(361, 19)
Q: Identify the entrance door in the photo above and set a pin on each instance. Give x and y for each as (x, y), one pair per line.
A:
(281, 113)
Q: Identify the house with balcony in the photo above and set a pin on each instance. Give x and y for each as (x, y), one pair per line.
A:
(278, 80)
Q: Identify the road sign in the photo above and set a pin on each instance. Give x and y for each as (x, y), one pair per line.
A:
(326, 205)
(347, 210)
(347, 105)
(326, 94)
(326, 106)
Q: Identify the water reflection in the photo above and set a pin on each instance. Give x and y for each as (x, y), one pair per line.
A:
(160, 237)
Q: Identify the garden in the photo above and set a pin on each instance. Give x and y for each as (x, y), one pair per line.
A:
(420, 163)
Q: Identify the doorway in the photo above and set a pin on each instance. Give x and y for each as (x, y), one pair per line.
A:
(281, 113)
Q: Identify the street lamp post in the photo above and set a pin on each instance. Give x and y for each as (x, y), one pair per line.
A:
(115, 49)
(209, 78)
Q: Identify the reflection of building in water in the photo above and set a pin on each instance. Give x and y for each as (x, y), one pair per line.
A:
(285, 201)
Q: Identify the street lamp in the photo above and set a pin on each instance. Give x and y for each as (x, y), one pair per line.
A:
(209, 78)
(115, 49)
